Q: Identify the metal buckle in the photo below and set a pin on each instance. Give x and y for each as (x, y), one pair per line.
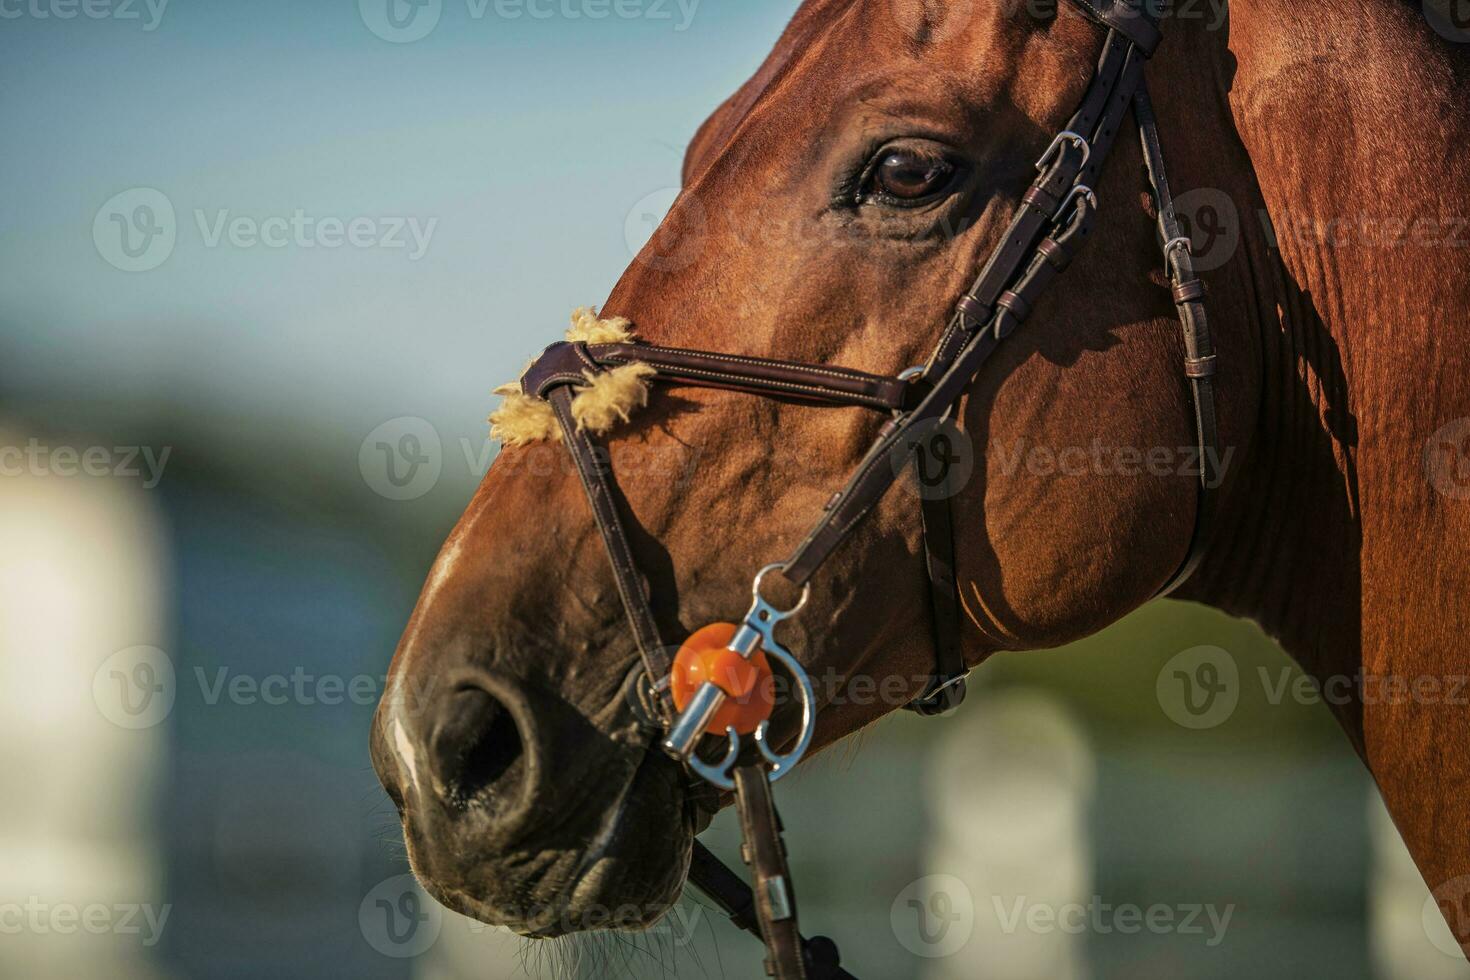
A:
(1181, 241)
(907, 374)
(957, 678)
(756, 630)
(943, 698)
(1078, 190)
(1056, 143)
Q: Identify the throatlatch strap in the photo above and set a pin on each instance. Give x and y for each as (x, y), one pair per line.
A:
(1199, 349)
(947, 684)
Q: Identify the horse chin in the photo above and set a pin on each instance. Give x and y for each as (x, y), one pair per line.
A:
(619, 867)
(635, 867)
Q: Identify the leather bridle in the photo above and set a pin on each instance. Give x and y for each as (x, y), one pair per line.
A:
(1052, 222)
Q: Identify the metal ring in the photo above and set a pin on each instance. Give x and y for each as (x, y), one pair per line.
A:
(1180, 242)
(1065, 134)
(782, 764)
(907, 374)
(755, 590)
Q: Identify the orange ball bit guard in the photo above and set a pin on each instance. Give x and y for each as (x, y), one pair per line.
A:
(748, 684)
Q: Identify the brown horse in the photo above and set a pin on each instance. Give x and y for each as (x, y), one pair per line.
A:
(832, 210)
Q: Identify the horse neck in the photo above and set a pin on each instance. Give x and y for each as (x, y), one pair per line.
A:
(1322, 123)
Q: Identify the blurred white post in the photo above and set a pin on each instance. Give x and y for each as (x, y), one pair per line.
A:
(1010, 790)
(80, 571)
(1410, 938)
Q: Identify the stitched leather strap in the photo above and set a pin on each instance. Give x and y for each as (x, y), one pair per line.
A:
(1127, 18)
(946, 688)
(1199, 350)
(765, 852)
(734, 898)
(566, 363)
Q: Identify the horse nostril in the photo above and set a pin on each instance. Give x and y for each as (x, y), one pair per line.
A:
(474, 745)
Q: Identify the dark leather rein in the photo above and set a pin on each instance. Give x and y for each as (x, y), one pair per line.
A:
(1047, 230)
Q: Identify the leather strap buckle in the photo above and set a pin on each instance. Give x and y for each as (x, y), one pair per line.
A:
(943, 695)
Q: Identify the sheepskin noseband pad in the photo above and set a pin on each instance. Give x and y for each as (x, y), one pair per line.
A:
(604, 397)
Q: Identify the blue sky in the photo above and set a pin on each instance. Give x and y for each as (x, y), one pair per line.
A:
(516, 135)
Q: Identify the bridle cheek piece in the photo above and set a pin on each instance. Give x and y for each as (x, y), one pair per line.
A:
(718, 682)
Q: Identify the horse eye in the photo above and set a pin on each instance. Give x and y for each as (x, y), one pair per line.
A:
(908, 176)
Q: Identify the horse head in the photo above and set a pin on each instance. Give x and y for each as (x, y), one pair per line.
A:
(832, 211)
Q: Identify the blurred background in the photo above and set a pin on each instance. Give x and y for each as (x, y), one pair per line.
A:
(260, 266)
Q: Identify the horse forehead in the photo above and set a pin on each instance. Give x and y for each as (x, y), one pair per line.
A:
(832, 45)
(833, 49)
(815, 20)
